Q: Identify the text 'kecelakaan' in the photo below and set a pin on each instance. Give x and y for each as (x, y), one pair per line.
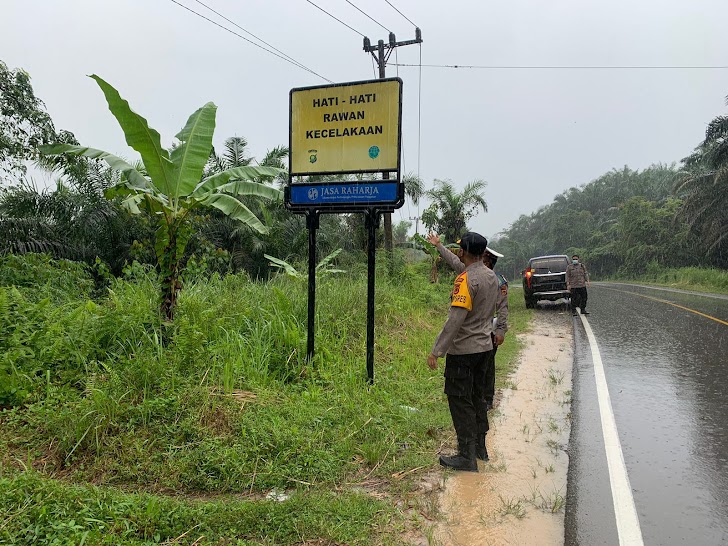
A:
(345, 132)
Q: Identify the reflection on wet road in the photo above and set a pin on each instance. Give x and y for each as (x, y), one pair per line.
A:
(667, 374)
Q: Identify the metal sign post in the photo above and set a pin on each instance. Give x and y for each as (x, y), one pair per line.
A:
(312, 223)
(348, 128)
(371, 223)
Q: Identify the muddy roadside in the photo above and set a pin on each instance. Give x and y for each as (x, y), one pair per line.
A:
(518, 496)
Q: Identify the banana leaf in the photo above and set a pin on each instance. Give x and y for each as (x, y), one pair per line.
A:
(235, 209)
(190, 157)
(141, 138)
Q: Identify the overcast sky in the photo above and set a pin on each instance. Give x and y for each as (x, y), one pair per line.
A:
(530, 133)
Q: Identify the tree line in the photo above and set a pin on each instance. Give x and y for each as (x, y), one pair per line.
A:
(621, 223)
(628, 221)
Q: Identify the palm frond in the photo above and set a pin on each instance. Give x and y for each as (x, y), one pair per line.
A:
(275, 157)
(236, 153)
(414, 187)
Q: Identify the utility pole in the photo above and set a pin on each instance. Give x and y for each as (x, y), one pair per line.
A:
(416, 220)
(382, 56)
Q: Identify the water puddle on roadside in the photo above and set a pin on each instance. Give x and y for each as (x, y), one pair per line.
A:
(518, 497)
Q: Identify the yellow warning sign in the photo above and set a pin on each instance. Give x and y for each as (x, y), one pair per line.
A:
(346, 128)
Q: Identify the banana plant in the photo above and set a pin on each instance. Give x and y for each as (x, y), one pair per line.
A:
(171, 183)
(426, 245)
(322, 268)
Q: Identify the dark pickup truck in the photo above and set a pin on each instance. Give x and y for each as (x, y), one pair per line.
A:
(545, 279)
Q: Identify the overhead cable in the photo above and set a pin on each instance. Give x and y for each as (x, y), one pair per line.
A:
(566, 67)
(250, 34)
(366, 14)
(402, 14)
(334, 17)
(294, 63)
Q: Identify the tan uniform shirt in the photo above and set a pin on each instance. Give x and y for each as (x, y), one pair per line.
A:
(470, 319)
(501, 324)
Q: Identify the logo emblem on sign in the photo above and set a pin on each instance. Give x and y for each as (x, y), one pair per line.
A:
(313, 193)
(312, 158)
(374, 152)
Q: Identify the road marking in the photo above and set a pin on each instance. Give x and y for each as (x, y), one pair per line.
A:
(670, 303)
(628, 523)
(665, 289)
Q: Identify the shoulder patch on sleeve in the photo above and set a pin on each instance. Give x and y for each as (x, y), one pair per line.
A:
(461, 293)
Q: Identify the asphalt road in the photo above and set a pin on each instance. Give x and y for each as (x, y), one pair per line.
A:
(664, 356)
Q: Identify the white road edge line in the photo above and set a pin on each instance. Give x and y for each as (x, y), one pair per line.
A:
(628, 523)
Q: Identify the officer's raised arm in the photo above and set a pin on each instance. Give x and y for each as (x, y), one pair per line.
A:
(450, 257)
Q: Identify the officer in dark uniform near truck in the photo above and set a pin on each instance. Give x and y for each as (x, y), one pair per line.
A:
(466, 339)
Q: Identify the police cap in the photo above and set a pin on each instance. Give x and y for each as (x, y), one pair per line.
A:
(473, 243)
(493, 253)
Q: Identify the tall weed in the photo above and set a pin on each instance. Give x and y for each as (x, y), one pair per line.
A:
(38, 276)
(689, 278)
(230, 403)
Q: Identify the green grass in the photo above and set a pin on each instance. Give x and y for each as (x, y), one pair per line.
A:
(190, 434)
(36, 510)
(687, 278)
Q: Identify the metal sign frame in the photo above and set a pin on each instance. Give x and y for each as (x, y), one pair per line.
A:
(295, 204)
(372, 209)
(355, 171)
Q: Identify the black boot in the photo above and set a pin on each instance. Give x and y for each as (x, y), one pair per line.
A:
(464, 460)
(480, 450)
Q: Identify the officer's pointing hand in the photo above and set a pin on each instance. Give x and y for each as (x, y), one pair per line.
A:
(433, 238)
(432, 361)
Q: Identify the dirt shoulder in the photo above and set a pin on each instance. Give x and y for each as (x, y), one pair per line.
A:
(518, 496)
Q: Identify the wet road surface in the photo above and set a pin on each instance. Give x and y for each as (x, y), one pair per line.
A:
(665, 359)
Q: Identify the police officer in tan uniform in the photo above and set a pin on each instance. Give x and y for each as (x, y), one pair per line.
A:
(466, 340)
(500, 322)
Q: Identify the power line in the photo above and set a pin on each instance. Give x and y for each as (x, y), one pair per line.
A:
(366, 14)
(250, 41)
(402, 14)
(334, 17)
(562, 67)
(251, 34)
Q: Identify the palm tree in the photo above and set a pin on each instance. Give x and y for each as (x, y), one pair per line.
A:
(245, 245)
(73, 220)
(413, 188)
(450, 211)
(703, 187)
(175, 185)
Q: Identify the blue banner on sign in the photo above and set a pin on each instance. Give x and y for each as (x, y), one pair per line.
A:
(355, 193)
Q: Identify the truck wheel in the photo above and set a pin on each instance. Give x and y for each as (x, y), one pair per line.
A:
(530, 303)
